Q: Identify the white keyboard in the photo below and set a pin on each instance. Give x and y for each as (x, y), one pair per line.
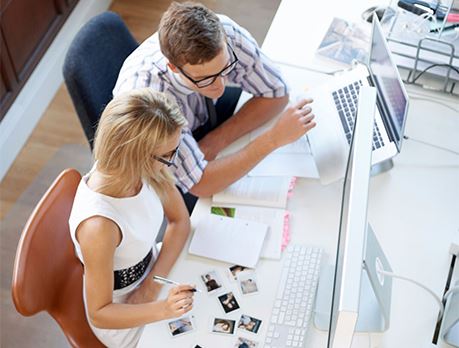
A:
(295, 297)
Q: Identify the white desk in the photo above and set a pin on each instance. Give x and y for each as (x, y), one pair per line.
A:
(413, 210)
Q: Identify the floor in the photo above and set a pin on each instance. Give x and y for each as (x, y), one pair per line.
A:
(57, 133)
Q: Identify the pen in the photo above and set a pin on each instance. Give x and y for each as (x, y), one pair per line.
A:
(163, 280)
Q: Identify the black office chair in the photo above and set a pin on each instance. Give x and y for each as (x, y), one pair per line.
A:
(92, 64)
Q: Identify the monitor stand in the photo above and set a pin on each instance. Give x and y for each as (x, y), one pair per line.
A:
(375, 291)
(382, 167)
(370, 317)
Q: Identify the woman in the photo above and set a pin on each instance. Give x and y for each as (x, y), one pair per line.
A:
(117, 212)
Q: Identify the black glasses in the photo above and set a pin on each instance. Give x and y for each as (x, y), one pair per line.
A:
(207, 81)
(170, 161)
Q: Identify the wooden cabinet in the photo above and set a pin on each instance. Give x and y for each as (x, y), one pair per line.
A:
(27, 28)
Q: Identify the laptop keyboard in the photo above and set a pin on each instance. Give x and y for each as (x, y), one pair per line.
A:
(346, 100)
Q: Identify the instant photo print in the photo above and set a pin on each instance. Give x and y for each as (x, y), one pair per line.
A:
(248, 323)
(211, 281)
(223, 326)
(181, 326)
(247, 283)
(228, 302)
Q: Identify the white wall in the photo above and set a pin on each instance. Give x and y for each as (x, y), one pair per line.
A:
(32, 101)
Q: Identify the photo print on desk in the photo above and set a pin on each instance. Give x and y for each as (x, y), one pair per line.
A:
(223, 211)
(223, 326)
(249, 324)
(247, 283)
(181, 326)
(211, 281)
(242, 342)
(228, 302)
(234, 270)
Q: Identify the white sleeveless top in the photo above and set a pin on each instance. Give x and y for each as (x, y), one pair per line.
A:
(139, 219)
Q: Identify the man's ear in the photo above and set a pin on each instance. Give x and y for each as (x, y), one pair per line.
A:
(173, 68)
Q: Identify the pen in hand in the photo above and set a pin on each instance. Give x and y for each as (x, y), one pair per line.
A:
(163, 280)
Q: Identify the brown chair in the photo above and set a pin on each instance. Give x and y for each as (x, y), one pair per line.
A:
(47, 275)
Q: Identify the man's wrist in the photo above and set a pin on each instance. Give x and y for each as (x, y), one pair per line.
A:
(269, 139)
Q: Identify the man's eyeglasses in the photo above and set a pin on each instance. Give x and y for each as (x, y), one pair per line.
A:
(207, 81)
(170, 160)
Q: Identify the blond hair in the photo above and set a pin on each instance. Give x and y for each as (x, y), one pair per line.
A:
(132, 127)
(190, 33)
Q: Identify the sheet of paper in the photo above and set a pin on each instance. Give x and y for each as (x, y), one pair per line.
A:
(259, 191)
(300, 165)
(273, 217)
(229, 239)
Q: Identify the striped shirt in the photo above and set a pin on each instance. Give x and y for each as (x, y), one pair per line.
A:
(147, 67)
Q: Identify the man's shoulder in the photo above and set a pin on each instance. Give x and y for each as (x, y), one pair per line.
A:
(143, 67)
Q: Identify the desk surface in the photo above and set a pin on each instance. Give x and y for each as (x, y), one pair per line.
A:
(412, 208)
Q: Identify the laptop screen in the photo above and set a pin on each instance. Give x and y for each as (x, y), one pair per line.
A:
(392, 94)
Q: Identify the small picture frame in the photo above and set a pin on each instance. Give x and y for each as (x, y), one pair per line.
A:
(211, 281)
(247, 283)
(248, 323)
(242, 342)
(181, 326)
(223, 326)
(234, 270)
(228, 302)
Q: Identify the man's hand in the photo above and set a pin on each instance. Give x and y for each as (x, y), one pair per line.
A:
(295, 121)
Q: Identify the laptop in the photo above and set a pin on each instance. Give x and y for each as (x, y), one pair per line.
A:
(335, 107)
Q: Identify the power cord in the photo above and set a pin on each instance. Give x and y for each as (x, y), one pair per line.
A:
(430, 99)
(437, 298)
(433, 66)
(430, 144)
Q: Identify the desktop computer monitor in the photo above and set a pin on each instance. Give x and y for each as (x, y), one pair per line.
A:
(359, 299)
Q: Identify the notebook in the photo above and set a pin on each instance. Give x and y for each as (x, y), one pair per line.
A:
(228, 239)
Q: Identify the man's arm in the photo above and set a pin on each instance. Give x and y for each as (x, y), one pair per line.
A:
(251, 115)
(218, 174)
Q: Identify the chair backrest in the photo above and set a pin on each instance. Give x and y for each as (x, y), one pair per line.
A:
(47, 275)
(92, 64)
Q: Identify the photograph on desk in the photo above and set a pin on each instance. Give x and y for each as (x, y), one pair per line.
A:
(211, 281)
(247, 283)
(345, 41)
(242, 342)
(223, 326)
(248, 323)
(228, 302)
(181, 326)
(234, 270)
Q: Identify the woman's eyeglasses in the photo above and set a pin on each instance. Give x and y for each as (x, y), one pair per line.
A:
(207, 81)
(169, 160)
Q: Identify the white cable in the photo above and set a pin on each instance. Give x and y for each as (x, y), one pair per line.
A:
(421, 97)
(437, 298)
(449, 292)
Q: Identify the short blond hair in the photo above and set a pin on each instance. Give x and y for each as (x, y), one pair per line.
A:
(190, 33)
(132, 127)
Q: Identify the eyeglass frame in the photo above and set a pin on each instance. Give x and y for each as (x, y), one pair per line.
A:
(171, 159)
(230, 66)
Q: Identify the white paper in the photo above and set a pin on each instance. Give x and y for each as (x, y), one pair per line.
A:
(260, 191)
(229, 239)
(274, 218)
(294, 159)
(300, 165)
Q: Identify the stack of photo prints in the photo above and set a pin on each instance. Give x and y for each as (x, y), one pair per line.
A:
(212, 283)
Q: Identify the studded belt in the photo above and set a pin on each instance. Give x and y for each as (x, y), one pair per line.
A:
(127, 276)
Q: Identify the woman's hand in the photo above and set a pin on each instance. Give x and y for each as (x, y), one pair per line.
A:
(179, 301)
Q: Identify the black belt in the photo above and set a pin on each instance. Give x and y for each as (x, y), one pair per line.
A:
(127, 276)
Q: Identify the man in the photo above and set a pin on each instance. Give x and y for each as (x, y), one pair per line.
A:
(195, 57)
